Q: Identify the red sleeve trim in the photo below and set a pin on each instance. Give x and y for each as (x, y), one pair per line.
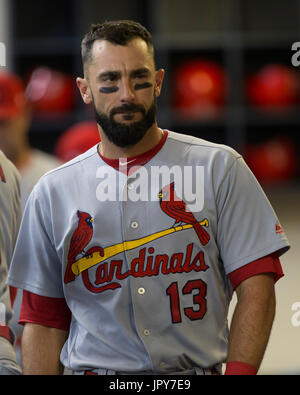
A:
(267, 264)
(13, 294)
(240, 368)
(136, 161)
(46, 311)
(7, 333)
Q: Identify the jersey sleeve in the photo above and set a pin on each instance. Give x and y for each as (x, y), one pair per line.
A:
(42, 310)
(10, 218)
(35, 266)
(267, 264)
(248, 228)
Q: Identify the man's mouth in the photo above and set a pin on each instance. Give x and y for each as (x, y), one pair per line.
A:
(127, 115)
(127, 111)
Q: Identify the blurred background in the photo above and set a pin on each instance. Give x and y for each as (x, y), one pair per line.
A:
(232, 77)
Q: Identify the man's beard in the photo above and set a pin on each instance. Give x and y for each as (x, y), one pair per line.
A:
(122, 134)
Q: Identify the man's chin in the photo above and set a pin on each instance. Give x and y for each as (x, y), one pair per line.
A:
(126, 134)
(129, 131)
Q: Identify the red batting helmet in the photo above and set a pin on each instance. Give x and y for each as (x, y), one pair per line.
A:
(76, 140)
(50, 91)
(200, 88)
(274, 86)
(12, 97)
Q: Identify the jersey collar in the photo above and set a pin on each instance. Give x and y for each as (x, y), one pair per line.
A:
(139, 160)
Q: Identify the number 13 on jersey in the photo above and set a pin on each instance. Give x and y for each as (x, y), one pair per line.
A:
(199, 299)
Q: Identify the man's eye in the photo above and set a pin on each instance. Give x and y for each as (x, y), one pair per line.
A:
(109, 79)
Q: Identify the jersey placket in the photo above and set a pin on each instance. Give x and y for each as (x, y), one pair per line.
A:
(134, 225)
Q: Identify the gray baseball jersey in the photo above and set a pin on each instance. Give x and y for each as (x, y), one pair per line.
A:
(142, 259)
(10, 217)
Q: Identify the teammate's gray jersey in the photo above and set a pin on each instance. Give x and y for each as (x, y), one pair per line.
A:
(153, 293)
(10, 218)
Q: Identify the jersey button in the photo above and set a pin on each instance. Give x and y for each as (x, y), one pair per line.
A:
(146, 332)
(130, 186)
(134, 225)
(141, 291)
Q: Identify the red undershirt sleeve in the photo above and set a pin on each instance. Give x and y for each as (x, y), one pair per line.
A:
(46, 311)
(13, 294)
(5, 330)
(267, 264)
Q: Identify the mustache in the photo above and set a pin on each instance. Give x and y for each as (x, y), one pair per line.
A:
(128, 107)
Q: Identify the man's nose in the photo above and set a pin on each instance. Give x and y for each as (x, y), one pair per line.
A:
(127, 92)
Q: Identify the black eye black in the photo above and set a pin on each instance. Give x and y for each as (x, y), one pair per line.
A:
(110, 89)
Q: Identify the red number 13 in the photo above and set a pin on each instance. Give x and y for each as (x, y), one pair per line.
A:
(198, 299)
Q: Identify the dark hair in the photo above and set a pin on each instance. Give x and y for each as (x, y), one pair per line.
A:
(117, 32)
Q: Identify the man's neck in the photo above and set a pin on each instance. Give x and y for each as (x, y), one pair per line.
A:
(111, 151)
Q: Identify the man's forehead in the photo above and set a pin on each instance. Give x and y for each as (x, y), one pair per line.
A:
(106, 51)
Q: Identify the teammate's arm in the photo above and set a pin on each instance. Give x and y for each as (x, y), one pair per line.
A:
(41, 347)
(252, 319)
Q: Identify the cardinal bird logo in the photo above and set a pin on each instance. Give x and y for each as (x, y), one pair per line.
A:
(80, 239)
(174, 207)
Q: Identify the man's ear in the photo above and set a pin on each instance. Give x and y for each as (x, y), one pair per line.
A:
(84, 90)
(159, 76)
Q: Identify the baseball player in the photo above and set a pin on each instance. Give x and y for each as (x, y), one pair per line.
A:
(15, 120)
(10, 217)
(129, 254)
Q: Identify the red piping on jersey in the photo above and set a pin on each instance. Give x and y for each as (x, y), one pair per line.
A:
(138, 160)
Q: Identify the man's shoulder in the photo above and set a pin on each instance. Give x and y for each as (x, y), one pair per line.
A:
(199, 146)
